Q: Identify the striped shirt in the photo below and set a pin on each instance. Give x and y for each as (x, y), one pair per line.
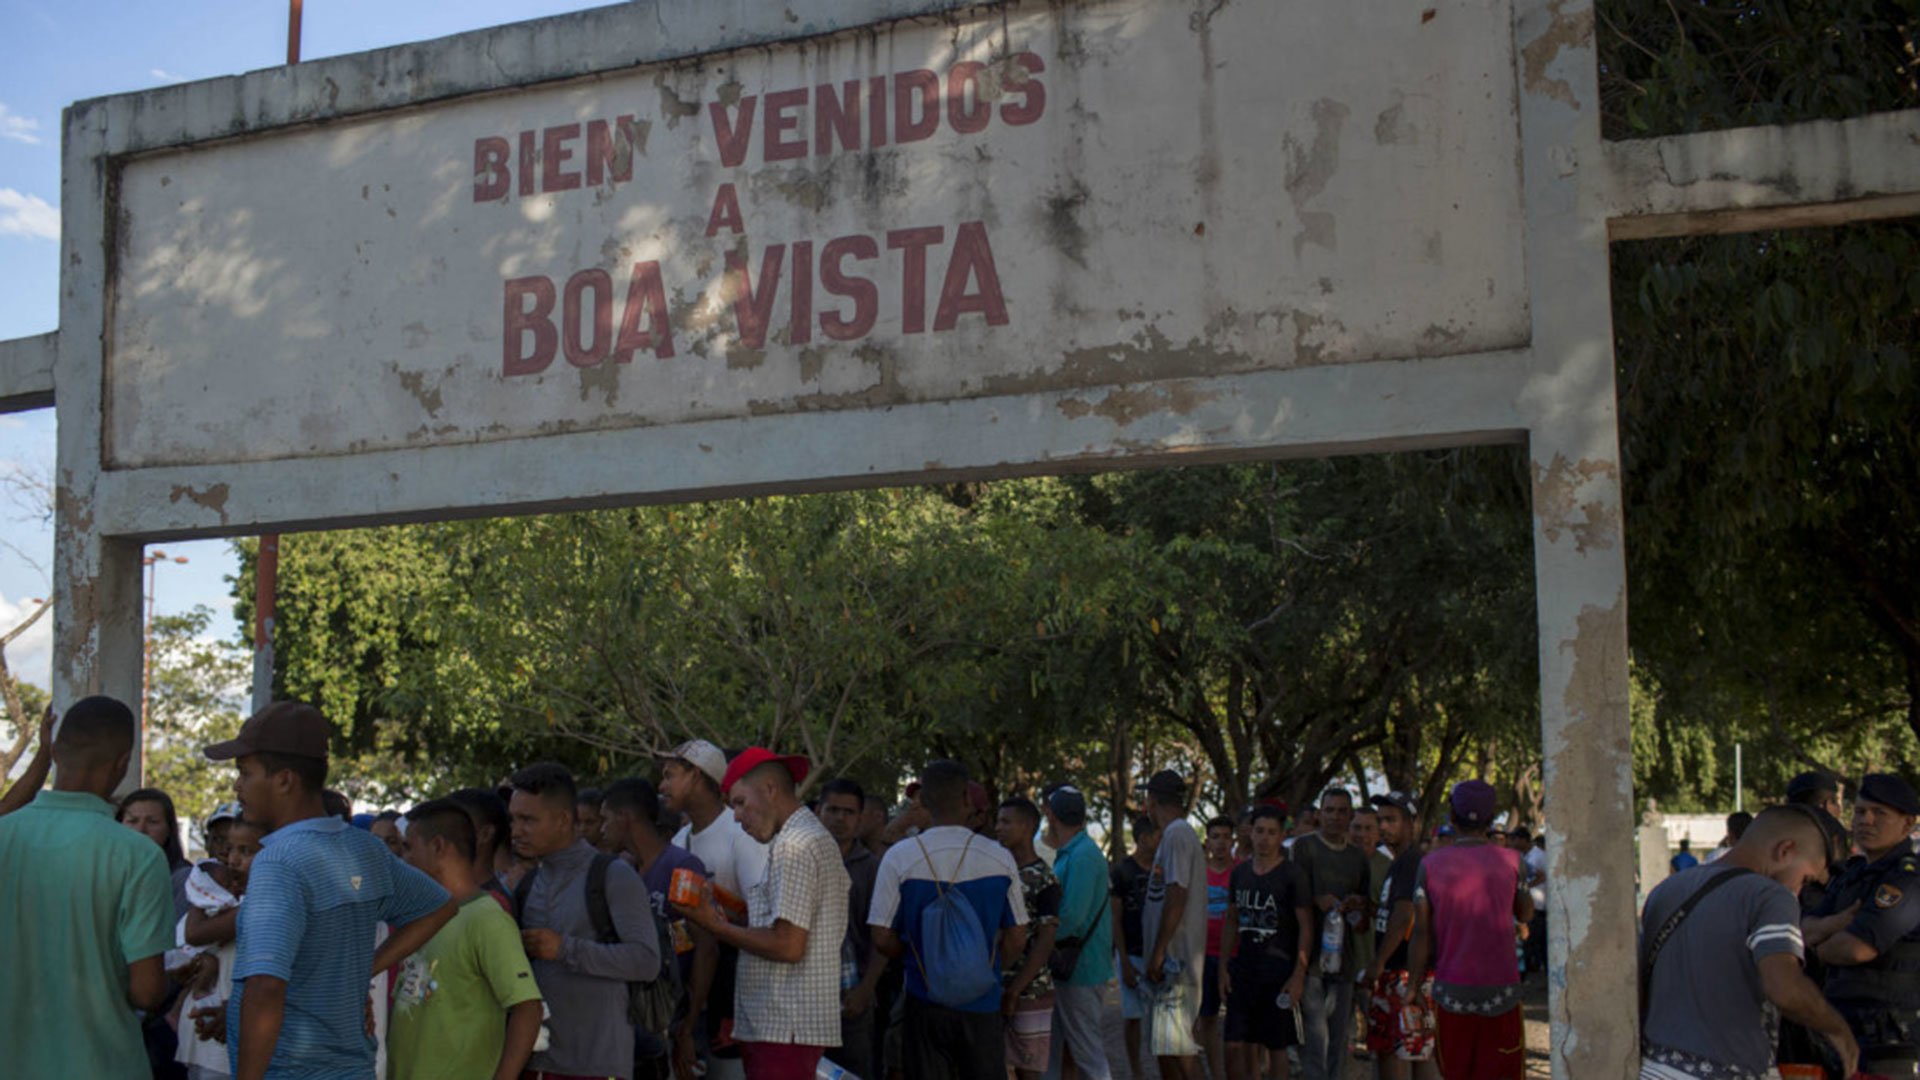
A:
(1708, 1016)
(315, 893)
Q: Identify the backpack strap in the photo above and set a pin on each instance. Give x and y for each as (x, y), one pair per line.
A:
(1660, 937)
(598, 909)
(521, 890)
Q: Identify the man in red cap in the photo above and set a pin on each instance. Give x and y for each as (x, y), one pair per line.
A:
(1466, 897)
(786, 1008)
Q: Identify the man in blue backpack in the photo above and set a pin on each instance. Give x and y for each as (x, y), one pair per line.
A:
(947, 906)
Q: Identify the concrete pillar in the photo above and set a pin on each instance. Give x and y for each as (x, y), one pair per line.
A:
(1579, 563)
(96, 579)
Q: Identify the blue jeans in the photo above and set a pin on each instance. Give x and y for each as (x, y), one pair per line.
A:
(1328, 1012)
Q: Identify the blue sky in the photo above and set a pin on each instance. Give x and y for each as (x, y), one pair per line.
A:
(55, 52)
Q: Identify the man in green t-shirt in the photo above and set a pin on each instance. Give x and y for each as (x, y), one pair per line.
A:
(89, 912)
(467, 1005)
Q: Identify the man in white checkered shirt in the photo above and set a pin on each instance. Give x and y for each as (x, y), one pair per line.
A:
(787, 997)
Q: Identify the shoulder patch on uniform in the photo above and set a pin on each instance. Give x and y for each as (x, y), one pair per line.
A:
(1886, 896)
(1910, 865)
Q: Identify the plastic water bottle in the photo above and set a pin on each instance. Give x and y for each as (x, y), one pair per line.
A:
(827, 1070)
(1333, 934)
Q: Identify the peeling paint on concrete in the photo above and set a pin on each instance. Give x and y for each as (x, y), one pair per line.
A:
(1565, 31)
(1096, 228)
(1123, 405)
(214, 498)
(1556, 493)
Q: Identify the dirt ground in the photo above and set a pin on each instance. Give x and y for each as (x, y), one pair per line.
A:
(1534, 1002)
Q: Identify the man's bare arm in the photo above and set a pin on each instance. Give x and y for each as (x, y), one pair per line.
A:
(263, 1006)
(406, 940)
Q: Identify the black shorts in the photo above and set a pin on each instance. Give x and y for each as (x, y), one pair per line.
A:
(1254, 1017)
(1210, 988)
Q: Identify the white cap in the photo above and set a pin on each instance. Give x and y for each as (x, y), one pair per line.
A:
(700, 754)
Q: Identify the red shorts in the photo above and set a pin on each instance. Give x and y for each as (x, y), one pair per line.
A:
(779, 1061)
(1473, 1047)
(1391, 1031)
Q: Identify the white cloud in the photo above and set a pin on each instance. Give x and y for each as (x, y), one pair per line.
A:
(30, 656)
(28, 215)
(18, 128)
(166, 76)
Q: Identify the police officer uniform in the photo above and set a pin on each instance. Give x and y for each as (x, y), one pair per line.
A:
(1880, 999)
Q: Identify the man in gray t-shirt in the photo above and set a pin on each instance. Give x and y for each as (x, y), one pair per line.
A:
(1174, 923)
(1733, 964)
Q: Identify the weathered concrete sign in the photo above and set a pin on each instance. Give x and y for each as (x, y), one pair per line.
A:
(1047, 197)
(689, 249)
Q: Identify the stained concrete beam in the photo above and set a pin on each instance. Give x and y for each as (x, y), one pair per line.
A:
(513, 56)
(1824, 172)
(26, 372)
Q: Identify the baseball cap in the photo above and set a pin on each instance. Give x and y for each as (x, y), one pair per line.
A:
(702, 755)
(1399, 800)
(1167, 782)
(284, 727)
(755, 756)
(977, 795)
(1068, 804)
(1889, 790)
(1473, 802)
(226, 811)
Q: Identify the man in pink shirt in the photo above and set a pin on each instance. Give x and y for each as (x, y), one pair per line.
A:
(1466, 898)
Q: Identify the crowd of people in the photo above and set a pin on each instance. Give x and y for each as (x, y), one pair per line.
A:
(711, 920)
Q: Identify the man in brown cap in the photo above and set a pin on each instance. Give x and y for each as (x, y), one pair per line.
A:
(315, 894)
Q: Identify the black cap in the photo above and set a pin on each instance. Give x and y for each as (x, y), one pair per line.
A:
(1399, 800)
(1167, 782)
(1889, 790)
(1812, 783)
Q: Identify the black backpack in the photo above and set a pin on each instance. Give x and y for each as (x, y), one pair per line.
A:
(652, 1005)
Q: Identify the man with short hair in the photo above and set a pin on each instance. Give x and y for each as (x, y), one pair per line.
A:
(466, 1005)
(586, 818)
(1684, 859)
(386, 826)
(1219, 850)
(1269, 924)
(842, 807)
(1128, 884)
(630, 826)
(1027, 1003)
(787, 997)
(1386, 980)
(1737, 823)
(1363, 834)
(1466, 898)
(1336, 874)
(1867, 931)
(690, 776)
(315, 895)
(1533, 860)
(491, 827)
(1175, 922)
(948, 1042)
(1721, 946)
(91, 910)
(1086, 930)
(582, 974)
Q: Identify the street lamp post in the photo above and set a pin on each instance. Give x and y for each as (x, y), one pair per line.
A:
(152, 562)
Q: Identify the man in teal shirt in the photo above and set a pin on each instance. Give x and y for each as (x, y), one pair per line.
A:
(91, 908)
(1084, 919)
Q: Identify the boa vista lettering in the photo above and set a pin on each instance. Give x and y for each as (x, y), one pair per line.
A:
(834, 287)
